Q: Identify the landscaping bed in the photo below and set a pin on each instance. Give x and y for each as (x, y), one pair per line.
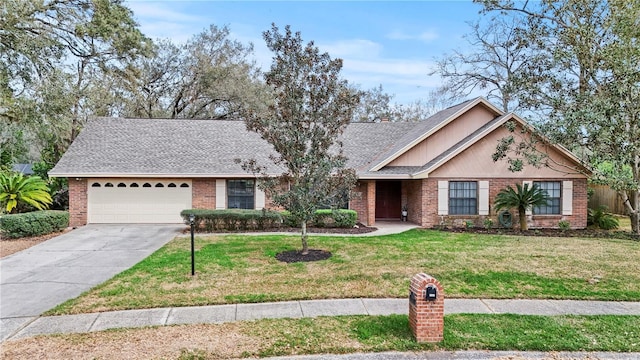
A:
(12, 246)
(358, 229)
(545, 232)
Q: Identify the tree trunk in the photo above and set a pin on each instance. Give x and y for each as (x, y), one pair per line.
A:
(632, 205)
(522, 214)
(305, 246)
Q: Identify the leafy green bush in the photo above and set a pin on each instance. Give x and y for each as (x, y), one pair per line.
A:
(232, 219)
(341, 218)
(564, 225)
(602, 218)
(33, 223)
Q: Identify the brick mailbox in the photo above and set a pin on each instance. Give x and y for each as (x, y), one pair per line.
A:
(426, 308)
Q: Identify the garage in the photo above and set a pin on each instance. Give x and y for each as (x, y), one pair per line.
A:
(137, 201)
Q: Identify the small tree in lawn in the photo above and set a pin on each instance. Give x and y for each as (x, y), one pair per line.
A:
(523, 198)
(311, 107)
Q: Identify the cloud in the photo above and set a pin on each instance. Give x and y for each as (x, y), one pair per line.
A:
(425, 36)
(159, 20)
(356, 48)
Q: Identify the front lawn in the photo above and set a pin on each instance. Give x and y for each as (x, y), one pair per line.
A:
(233, 269)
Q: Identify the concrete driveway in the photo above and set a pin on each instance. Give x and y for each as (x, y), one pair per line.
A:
(43, 276)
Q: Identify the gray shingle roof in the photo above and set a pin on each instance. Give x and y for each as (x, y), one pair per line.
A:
(161, 147)
(185, 148)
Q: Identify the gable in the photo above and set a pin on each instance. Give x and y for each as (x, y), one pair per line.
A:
(476, 162)
(446, 137)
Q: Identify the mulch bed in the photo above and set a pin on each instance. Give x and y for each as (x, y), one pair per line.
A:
(292, 256)
(586, 233)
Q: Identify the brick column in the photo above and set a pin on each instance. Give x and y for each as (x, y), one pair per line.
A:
(426, 317)
(77, 202)
(371, 202)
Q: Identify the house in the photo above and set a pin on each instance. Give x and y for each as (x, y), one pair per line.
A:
(148, 170)
(25, 169)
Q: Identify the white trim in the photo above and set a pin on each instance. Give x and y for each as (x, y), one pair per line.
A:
(567, 197)
(260, 198)
(221, 194)
(443, 197)
(153, 176)
(404, 149)
(483, 198)
(529, 210)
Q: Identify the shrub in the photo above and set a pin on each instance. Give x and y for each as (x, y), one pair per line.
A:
(232, 219)
(602, 218)
(564, 225)
(488, 223)
(33, 223)
(341, 218)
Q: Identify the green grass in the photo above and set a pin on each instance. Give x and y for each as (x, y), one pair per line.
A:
(231, 269)
(343, 334)
(461, 332)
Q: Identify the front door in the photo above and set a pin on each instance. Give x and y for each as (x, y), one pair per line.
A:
(388, 199)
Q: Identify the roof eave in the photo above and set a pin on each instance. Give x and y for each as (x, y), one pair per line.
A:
(448, 120)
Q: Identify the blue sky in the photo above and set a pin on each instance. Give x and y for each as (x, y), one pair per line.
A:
(381, 42)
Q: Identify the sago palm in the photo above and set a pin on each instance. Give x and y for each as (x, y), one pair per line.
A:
(16, 189)
(523, 198)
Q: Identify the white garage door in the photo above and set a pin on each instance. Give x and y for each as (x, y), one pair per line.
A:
(145, 201)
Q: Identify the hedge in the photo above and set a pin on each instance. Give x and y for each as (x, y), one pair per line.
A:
(327, 218)
(33, 223)
(233, 220)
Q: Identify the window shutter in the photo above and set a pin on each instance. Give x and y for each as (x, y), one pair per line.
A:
(260, 199)
(567, 198)
(483, 198)
(529, 186)
(443, 198)
(221, 194)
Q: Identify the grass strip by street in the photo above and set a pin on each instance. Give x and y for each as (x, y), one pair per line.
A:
(346, 334)
(242, 269)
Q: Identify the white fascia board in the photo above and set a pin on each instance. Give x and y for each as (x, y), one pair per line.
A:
(385, 177)
(407, 147)
(150, 176)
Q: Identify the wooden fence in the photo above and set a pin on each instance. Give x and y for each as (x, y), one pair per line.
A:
(604, 195)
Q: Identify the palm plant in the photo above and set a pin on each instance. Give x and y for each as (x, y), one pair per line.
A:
(522, 198)
(17, 189)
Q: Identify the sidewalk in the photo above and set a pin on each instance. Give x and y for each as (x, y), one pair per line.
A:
(82, 323)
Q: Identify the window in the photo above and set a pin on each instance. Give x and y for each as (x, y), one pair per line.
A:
(95, 185)
(463, 198)
(240, 194)
(108, 185)
(171, 185)
(159, 185)
(133, 185)
(184, 185)
(553, 204)
(146, 185)
(122, 185)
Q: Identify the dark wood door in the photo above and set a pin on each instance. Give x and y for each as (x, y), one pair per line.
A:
(388, 199)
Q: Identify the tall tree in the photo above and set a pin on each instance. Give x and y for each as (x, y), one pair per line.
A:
(209, 77)
(586, 83)
(375, 106)
(52, 54)
(492, 62)
(312, 107)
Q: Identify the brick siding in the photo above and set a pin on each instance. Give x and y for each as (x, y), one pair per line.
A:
(77, 202)
(430, 217)
(203, 194)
